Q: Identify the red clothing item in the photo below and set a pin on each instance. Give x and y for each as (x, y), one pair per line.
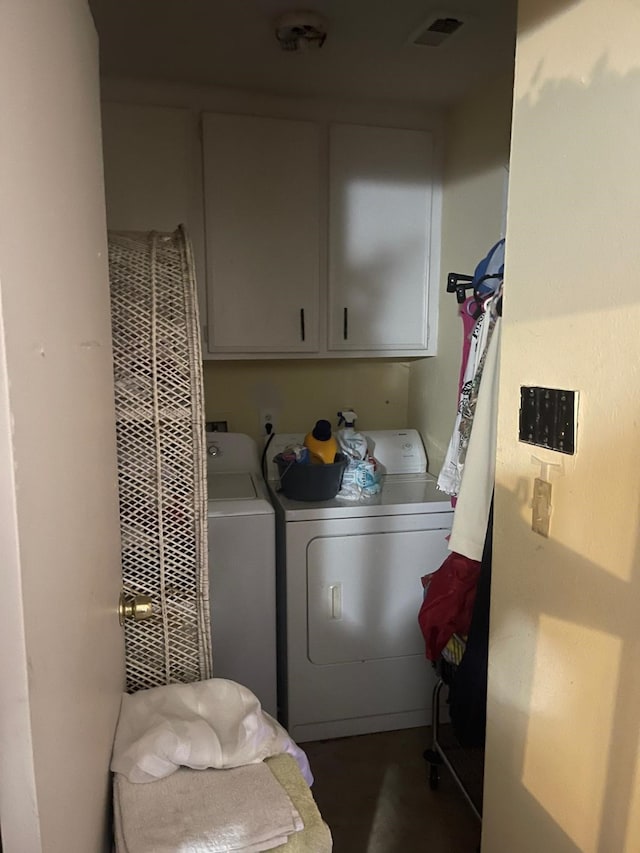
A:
(450, 593)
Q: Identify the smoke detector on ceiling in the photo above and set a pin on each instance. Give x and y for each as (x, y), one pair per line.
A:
(301, 31)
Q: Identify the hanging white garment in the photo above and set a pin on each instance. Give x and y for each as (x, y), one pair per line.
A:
(450, 475)
(474, 497)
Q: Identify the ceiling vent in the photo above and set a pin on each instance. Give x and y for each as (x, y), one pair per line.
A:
(436, 32)
(301, 31)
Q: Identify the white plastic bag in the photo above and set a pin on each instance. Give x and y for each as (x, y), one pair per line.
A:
(360, 478)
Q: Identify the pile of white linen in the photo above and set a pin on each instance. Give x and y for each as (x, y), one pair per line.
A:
(216, 723)
(216, 726)
(244, 809)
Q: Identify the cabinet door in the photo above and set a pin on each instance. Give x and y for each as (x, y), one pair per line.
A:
(379, 237)
(262, 231)
(363, 594)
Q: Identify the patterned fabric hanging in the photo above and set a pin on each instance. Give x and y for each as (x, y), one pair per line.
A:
(161, 455)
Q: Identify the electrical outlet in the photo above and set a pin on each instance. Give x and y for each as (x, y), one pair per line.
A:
(267, 416)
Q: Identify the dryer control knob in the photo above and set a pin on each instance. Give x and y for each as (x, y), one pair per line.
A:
(214, 450)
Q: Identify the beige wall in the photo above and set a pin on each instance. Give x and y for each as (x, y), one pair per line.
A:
(476, 153)
(301, 392)
(562, 770)
(62, 660)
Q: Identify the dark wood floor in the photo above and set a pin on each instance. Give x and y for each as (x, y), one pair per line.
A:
(373, 792)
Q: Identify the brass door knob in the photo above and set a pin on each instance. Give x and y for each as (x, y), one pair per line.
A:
(136, 607)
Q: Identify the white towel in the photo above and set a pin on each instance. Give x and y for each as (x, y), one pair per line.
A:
(218, 811)
(450, 476)
(216, 723)
(474, 498)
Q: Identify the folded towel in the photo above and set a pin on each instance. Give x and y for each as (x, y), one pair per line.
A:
(316, 835)
(218, 811)
(215, 723)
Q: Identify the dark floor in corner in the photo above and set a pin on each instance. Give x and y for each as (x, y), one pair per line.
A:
(373, 792)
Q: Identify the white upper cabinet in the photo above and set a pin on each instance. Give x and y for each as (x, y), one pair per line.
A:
(313, 237)
(262, 215)
(380, 207)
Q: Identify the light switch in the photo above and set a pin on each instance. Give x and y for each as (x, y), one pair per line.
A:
(541, 513)
(548, 418)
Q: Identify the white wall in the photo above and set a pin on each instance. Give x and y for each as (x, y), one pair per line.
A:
(476, 153)
(62, 658)
(563, 769)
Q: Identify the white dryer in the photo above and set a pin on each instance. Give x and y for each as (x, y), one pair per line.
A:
(351, 656)
(242, 583)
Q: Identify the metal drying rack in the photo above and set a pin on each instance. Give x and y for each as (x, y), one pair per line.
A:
(465, 765)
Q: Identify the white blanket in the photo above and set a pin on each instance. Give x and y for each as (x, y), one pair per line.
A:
(215, 723)
(243, 809)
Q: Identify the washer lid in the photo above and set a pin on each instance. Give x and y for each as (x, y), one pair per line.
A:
(231, 487)
(237, 494)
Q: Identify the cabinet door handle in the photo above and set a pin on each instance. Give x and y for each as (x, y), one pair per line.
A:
(345, 324)
(302, 324)
(335, 601)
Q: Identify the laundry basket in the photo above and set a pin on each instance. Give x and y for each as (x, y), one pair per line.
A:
(302, 481)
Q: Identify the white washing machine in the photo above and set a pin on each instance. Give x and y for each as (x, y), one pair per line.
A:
(351, 656)
(241, 566)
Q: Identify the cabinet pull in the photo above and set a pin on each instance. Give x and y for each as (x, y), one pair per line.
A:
(335, 601)
(345, 324)
(302, 324)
